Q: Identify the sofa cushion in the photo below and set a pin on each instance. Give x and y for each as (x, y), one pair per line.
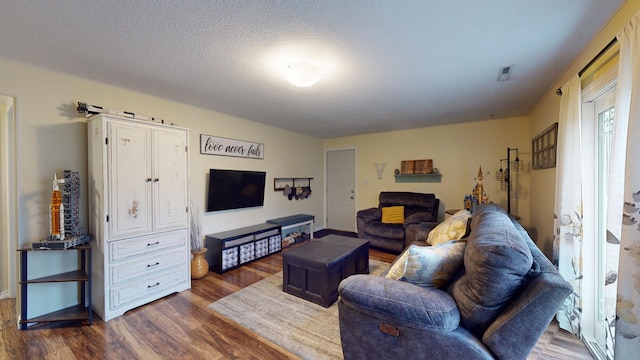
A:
(388, 231)
(496, 260)
(452, 228)
(406, 304)
(393, 215)
(414, 210)
(430, 266)
(413, 202)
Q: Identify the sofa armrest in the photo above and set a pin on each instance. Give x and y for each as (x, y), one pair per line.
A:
(418, 232)
(408, 304)
(418, 218)
(517, 329)
(369, 215)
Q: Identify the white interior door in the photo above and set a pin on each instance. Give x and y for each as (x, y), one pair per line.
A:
(341, 203)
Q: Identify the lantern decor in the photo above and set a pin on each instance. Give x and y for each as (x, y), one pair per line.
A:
(505, 176)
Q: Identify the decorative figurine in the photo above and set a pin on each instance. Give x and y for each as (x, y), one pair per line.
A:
(71, 202)
(478, 195)
(65, 230)
(56, 211)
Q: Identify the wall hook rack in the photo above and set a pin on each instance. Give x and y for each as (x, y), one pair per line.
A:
(280, 183)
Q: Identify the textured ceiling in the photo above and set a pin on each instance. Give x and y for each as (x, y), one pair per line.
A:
(386, 64)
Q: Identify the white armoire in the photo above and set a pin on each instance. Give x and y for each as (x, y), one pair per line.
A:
(138, 212)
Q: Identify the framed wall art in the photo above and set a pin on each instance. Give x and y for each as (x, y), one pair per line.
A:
(543, 148)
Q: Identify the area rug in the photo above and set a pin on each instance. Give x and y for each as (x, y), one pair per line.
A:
(300, 326)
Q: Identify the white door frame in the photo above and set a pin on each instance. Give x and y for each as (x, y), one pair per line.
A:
(592, 330)
(355, 182)
(10, 191)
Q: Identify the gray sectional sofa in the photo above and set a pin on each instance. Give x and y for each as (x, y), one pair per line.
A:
(496, 306)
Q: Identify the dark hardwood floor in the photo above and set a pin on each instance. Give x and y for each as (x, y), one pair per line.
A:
(179, 326)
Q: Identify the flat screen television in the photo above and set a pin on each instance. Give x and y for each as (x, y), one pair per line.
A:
(235, 189)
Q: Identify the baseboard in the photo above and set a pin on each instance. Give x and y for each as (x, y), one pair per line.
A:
(4, 294)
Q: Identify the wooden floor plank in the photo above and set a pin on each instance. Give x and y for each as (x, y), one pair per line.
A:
(181, 326)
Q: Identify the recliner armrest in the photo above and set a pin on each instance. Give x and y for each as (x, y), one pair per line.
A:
(418, 218)
(411, 305)
(417, 232)
(371, 214)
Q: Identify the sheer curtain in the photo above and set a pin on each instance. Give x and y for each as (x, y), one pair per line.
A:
(624, 194)
(567, 242)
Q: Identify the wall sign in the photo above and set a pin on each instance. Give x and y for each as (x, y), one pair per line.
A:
(213, 145)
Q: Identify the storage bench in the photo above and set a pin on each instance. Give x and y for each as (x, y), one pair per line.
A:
(292, 221)
(313, 271)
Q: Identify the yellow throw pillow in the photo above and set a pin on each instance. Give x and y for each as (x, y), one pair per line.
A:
(451, 229)
(393, 215)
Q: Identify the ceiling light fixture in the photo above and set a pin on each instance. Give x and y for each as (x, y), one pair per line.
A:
(302, 74)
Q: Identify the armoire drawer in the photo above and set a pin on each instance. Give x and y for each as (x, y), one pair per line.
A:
(147, 266)
(122, 249)
(145, 288)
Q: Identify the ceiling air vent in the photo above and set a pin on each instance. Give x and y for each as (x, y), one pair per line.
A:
(505, 73)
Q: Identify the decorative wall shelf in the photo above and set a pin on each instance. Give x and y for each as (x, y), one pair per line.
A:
(413, 178)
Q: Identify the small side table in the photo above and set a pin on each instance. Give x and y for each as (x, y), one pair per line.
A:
(82, 276)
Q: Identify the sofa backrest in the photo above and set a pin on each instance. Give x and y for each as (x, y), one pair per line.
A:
(496, 262)
(508, 291)
(412, 202)
(532, 310)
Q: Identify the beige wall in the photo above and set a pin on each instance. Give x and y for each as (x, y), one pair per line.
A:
(457, 151)
(52, 137)
(546, 112)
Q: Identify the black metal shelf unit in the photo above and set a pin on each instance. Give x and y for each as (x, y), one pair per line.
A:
(80, 312)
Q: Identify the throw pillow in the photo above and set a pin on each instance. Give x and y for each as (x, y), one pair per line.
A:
(397, 269)
(429, 266)
(433, 266)
(452, 228)
(393, 215)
